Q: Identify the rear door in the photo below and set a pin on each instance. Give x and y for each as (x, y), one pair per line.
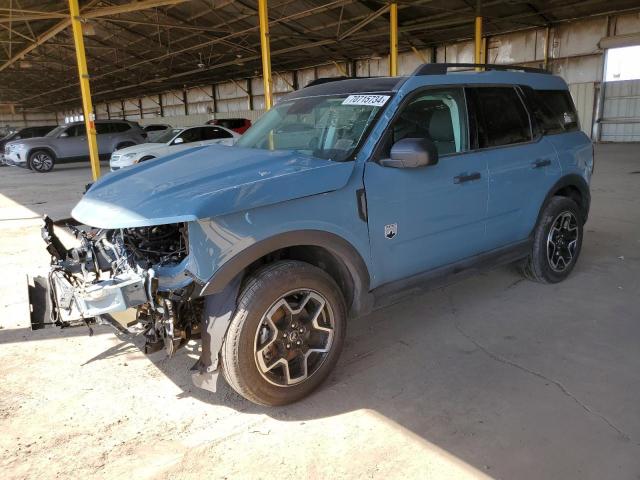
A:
(105, 134)
(523, 165)
(424, 218)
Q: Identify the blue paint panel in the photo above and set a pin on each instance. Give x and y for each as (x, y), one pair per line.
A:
(438, 221)
(214, 241)
(575, 152)
(205, 182)
(517, 189)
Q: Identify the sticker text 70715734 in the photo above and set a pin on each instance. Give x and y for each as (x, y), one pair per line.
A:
(366, 100)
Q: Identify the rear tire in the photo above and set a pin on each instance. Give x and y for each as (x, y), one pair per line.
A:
(286, 335)
(557, 242)
(41, 161)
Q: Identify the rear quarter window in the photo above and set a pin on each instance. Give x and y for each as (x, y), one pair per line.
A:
(554, 111)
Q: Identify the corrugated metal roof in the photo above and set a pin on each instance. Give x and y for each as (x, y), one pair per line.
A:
(204, 41)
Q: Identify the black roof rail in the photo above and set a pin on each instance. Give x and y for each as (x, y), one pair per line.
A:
(442, 68)
(321, 80)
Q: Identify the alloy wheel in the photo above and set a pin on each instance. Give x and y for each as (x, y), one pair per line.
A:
(294, 337)
(41, 161)
(562, 241)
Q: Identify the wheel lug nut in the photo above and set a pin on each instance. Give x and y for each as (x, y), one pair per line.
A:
(301, 330)
(288, 345)
(298, 342)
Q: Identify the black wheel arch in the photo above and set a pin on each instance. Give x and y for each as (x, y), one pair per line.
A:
(572, 186)
(325, 250)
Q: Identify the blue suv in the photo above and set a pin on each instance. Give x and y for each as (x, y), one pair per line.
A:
(343, 195)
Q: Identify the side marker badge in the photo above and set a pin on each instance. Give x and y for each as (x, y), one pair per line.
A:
(390, 231)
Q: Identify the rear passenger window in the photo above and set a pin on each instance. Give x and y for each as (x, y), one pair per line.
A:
(501, 118)
(555, 112)
(438, 115)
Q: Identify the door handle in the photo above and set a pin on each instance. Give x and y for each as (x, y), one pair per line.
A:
(467, 177)
(541, 163)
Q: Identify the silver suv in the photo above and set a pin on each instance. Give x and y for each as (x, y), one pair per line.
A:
(69, 143)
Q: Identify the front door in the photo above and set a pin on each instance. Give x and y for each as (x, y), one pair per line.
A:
(424, 218)
(74, 144)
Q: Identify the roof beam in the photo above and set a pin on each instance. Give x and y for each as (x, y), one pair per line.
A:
(98, 12)
(49, 34)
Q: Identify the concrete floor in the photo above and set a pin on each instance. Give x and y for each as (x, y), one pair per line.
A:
(492, 376)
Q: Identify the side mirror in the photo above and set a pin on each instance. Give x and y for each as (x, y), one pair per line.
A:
(63, 135)
(178, 141)
(412, 153)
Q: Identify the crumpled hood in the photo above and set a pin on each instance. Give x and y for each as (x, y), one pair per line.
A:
(205, 182)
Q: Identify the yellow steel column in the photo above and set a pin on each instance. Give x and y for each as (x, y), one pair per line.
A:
(393, 39)
(266, 52)
(478, 36)
(87, 106)
(546, 47)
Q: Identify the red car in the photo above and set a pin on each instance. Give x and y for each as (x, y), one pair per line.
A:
(239, 125)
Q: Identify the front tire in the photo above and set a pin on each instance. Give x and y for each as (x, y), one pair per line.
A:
(286, 335)
(557, 242)
(41, 161)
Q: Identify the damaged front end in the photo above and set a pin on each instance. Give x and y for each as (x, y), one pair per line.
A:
(113, 270)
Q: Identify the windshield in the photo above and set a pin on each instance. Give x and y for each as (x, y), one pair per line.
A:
(56, 131)
(328, 127)
(167, 136)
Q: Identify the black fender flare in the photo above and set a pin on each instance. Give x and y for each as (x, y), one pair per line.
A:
(340, 248)
(570, 180)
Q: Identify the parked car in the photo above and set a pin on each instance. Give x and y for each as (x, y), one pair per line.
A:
(69, 143)
(154, 130)
(28, 132)
(342, 196)
(170, 142)
(239, 125)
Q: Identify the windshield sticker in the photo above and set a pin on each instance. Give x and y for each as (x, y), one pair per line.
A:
(367, 100)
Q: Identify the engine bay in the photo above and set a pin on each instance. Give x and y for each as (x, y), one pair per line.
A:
(115, 270)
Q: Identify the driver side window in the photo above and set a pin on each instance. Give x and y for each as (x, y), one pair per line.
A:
(77, 131)
(191, 135)
(437, 115)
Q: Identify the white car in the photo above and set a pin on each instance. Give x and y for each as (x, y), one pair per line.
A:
(172, 141)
